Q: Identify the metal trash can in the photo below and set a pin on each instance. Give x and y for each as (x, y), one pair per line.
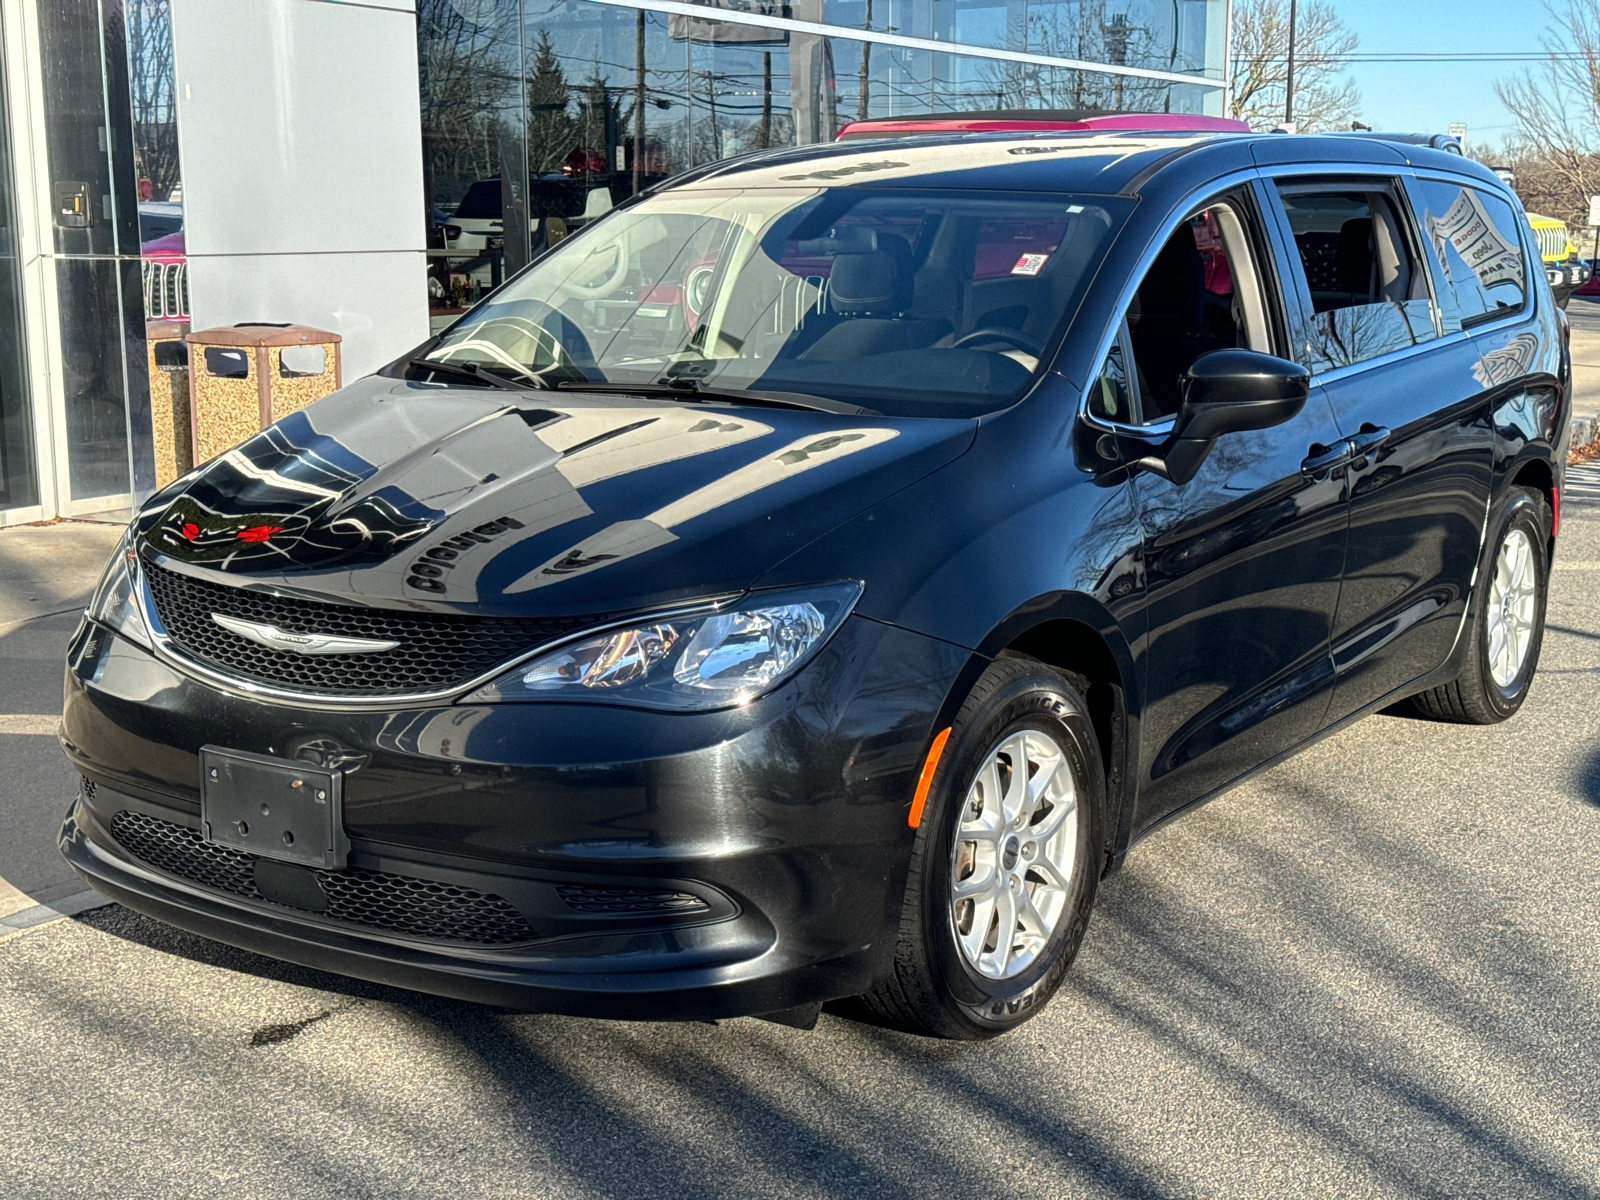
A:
(168, 360)
(239, 382)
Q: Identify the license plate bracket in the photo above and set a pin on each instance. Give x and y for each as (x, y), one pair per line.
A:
(273, 807)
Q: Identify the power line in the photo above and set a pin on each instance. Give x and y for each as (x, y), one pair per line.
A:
(1358, 59)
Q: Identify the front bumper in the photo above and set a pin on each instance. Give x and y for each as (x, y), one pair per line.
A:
(659, 865)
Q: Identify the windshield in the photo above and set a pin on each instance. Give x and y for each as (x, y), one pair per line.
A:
(910, 303)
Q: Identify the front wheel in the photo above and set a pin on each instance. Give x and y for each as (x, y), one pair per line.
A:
(1005, 860)
(1507, 625)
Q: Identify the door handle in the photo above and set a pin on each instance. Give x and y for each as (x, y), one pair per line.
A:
(1322, 460)
(1364, 442)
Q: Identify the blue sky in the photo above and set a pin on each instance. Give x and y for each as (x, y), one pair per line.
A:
(1426, 97)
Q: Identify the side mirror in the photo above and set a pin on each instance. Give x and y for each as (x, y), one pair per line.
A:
(1228, 391)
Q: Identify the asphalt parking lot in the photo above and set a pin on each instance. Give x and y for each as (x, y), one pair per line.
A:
(1372, 971)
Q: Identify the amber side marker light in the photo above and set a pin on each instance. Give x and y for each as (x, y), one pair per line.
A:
(926, 780)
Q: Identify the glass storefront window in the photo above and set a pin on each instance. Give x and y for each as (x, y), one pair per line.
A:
(95, 219)
(19, 482)
(538, 118)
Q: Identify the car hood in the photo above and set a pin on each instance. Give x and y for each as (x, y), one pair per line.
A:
(403, 494)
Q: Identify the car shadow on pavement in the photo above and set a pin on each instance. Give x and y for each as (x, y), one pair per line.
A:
(1588, 781)
(1317, 984)
(574, 1082)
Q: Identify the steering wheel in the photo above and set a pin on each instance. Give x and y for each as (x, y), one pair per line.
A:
(594, 291)
(1027, 343)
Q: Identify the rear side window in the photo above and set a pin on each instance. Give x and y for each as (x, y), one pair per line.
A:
(1369, 293)
(1475, 236)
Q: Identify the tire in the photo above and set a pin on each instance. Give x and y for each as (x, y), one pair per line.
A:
(967, 983)
(1512, 591)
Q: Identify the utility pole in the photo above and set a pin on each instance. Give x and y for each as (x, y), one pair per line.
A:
(638, 102)
(864, 83)
(766, 98)
(1288, 92)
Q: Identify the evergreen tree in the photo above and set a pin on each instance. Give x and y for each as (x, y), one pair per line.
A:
(551, 133)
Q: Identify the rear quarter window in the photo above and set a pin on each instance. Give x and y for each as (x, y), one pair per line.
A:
(1476, 239)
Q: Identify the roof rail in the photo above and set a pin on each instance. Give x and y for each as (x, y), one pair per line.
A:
(1439, 141)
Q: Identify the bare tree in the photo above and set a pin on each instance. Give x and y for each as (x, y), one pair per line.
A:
(470, 74)
(1088, 32)
(1261, 65)
(1557, 108)
(151, 93)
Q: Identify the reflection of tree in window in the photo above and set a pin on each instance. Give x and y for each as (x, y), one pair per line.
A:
(1089, 33)
(151, 94)
(1343, 337)
(469, 76)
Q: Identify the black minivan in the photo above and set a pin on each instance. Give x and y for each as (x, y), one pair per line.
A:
(807, 581)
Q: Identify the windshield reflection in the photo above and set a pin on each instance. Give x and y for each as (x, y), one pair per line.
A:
(909, 302)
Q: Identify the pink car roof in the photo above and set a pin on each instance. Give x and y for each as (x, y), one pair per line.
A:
(980, 123)
(167, 248)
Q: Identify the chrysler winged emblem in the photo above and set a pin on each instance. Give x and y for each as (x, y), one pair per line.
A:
(301, 643)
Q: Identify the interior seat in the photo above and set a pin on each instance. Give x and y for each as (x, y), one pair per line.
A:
(1356, 263)
(1168, 324)
(870, 290)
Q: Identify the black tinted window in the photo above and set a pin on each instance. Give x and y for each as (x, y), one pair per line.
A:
(482, 202)
(155, 225)
(1369, 295)
(1476, 238)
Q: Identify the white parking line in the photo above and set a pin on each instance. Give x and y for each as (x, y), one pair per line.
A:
(29, 723)
(1582, 483)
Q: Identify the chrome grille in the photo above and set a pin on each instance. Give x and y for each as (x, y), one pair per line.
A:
(166, 290)
(437, 651)
(1552, 243)
(422, 908)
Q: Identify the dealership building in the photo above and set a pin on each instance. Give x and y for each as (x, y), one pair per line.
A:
(370, 168)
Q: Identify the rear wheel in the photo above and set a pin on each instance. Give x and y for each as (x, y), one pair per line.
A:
(1005, 861)
(1508, 623)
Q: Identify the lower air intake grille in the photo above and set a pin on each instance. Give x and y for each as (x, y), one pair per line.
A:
(632, 900)
(437, 651)
(395, 903)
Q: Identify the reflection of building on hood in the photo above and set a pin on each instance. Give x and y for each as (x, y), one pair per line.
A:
(627, 539)
(594, 441)
(267, 498)
(372, 471)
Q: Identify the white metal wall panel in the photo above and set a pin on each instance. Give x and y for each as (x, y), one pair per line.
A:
(300, 139)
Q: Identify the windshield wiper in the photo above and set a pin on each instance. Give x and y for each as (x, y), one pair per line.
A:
(695, 389)
(473, 371)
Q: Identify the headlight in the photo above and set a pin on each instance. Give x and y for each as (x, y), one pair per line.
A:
(113, 603)
(708, 659)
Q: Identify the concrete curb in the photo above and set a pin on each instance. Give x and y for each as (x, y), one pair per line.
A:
(1585, 429)
(42, 914)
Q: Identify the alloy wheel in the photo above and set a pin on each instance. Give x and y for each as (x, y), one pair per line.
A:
(1014, 854)
(1512, 607)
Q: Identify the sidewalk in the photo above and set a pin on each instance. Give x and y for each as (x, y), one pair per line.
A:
(46, 575)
